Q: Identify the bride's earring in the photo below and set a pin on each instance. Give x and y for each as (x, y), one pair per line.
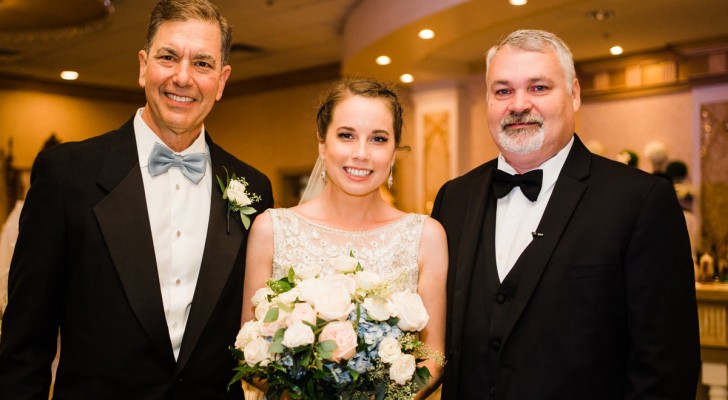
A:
(390, 180)
(323, 171)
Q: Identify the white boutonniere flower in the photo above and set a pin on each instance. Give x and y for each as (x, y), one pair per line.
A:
(239, 200)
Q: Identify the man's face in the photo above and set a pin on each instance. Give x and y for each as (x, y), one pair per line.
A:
(530, 107)
(182, 76)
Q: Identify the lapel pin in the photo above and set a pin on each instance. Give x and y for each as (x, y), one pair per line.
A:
(536, 234)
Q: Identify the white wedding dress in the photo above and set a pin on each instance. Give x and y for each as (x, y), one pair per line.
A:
(390, 250)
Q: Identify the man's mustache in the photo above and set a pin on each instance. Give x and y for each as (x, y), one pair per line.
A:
(521, 118)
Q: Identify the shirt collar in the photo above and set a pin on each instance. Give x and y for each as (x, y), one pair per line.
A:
(145, 139)
(551, 167)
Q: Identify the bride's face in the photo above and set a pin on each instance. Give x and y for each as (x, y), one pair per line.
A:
(359, 146)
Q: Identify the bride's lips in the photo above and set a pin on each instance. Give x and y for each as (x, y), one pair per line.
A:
(358, 172)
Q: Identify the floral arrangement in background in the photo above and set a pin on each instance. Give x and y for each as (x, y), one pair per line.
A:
(628, 157)
(337, 336)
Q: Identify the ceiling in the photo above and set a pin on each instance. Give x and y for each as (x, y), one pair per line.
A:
(40, 38)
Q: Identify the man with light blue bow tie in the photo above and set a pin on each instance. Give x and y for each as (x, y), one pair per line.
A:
(126, 244)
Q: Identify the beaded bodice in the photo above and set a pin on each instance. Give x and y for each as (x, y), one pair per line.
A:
(391, 250)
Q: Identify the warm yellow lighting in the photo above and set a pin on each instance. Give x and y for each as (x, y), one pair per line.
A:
(407, 78)
(616, 50)
(69, 75)
(383, 60)
(518, 2)
(426, 34)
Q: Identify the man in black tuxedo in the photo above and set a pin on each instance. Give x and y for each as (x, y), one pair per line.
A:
(580, 289)
(126, 244)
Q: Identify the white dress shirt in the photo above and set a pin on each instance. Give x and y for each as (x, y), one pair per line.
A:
(517, 217)
(179, 212)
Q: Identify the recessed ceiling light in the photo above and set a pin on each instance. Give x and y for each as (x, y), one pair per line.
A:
(600, 15)
(407, 78)
(518, 2)
(616, 50)
(69, 75)
(426, 34)
(383, 60)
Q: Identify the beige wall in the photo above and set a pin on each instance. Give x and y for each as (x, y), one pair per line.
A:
(274, 131)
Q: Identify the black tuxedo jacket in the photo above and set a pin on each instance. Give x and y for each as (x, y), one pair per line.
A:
(84, 263)
(605, 306)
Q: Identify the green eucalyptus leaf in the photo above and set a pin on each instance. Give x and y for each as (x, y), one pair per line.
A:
(271, 315)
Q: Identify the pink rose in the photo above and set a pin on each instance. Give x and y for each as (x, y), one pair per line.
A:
(342, 333)
(302, 312)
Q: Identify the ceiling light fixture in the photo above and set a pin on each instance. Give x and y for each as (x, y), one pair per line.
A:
(69, 75)
(616, 50)
(426, 34)
(518, 2)
(383, 60)
(600, 15)
(407, 78)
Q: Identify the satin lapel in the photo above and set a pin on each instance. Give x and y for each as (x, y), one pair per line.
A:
(564, 201)
(467, 249)
(123, 219)
(218, 260)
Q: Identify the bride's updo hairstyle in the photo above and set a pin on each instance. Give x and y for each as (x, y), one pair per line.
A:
(359, 87)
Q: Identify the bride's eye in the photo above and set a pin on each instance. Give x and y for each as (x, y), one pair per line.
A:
(345, 135)
(380, 139)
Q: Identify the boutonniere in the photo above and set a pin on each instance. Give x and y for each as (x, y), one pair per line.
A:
(235, 191)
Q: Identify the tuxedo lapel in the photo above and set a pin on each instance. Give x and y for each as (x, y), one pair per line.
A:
(123, 219)
(218, 260)
(562, 204)
(467, 251)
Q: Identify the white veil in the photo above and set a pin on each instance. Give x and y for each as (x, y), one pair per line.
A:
(315, 183)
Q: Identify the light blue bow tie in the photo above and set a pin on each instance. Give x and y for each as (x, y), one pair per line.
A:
(192, 165)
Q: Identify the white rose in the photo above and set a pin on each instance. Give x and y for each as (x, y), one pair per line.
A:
(333, 302)
(402, 368)
(344, 263)
(389, 349)
(289, 297)
(257, 352)
(346, 280)
(411, 311)
(270, 328)
(260, 295)
(249, 331)
(298, 334)
(301, 312)
(262, 309)
(235, 192)
(378, 308)
(367, 280)
(309, 289)
(307, 271)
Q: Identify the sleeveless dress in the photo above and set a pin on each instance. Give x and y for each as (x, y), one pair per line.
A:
(390, 250)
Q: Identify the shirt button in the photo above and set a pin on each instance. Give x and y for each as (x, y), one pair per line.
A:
(174, 325)
(179, 233)
(176, 186)
(178, 282)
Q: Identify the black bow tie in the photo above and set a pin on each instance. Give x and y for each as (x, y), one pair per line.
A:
(530, 183)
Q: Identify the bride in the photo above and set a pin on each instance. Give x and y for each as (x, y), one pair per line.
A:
(359, 132)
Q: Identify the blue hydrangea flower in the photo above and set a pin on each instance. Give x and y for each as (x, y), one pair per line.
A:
(339, 374)
(360, 363)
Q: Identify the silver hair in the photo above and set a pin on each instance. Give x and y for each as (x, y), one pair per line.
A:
(541, 41)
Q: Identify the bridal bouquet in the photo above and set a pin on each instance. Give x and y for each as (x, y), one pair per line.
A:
(338, 336)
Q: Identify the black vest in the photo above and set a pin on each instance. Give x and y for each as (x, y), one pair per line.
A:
(489, 304)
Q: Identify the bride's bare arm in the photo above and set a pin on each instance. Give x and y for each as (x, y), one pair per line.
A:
(258, 261)
(433, 259)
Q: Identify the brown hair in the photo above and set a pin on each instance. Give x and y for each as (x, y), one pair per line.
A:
(359, 87)
(185, 10)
